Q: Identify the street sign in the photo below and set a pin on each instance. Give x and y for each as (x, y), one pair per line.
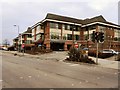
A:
(76, 45)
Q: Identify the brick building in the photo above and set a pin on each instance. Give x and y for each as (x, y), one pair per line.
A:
(60, 32)
(24, 38)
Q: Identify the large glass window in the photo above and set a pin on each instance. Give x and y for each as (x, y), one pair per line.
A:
(92, 27)
(55, 36)
(28, 42)
(64, 37)
(42, 27)
(59, 26)
(75, 28)
(67, 27)
(53, 25)
(29, 36)
(76, 37)
(69, 36)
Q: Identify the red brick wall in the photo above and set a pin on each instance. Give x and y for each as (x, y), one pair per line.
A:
(47, 35)
(67, 43)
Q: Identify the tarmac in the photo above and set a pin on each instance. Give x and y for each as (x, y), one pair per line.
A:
(61, 55)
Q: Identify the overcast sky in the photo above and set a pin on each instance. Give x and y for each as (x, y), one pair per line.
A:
(26, 13)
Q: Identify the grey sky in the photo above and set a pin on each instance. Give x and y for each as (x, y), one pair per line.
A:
(28, 12)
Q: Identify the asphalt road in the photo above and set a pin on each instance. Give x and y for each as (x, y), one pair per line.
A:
(25, 72)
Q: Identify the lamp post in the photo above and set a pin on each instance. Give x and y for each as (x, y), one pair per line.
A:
(18, 34)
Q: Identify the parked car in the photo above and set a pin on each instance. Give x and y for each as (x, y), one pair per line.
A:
(111, 51)
(85, 48)
(4, 48)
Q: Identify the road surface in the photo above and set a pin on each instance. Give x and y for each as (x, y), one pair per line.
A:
(25, 72)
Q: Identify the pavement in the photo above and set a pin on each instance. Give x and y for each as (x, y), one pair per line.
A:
(61, 55)
(107, 63)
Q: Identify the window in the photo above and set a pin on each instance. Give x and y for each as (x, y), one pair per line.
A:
(73, 28)
(28, 42)
(23, 36)
(54, 25)
(59, 26)
(54, 36)
(76, 37)
(67, 27)
(69, 36)
(29, 36)
(92, 27)
(78, 28)
(86, 36)
(42, 27)
(64, 37)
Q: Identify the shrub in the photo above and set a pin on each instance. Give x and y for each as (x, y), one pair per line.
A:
(76, 55)
(37, 50)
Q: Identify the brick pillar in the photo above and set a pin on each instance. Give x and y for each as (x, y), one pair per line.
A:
(81, 35)
(97, 28)
(47, 35)
(65, 47)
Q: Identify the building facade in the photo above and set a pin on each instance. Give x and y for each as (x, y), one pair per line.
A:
(24, 38)
(60, 33)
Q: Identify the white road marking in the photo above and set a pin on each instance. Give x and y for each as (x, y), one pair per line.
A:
(21, 77)
(74, 65)
(72, 84)
(1, 80)
(67, 63)
(29, 76)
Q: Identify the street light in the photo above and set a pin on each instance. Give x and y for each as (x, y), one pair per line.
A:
(18, 34)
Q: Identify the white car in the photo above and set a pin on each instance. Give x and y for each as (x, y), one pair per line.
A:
(109, 51)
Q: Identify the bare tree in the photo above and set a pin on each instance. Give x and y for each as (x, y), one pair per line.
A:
(6, 42)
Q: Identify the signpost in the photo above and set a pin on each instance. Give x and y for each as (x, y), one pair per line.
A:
(97, 37)
(76, 45)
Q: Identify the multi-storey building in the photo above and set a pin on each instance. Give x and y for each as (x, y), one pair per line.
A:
(24, 38)
(15, 43)
(60, 32)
